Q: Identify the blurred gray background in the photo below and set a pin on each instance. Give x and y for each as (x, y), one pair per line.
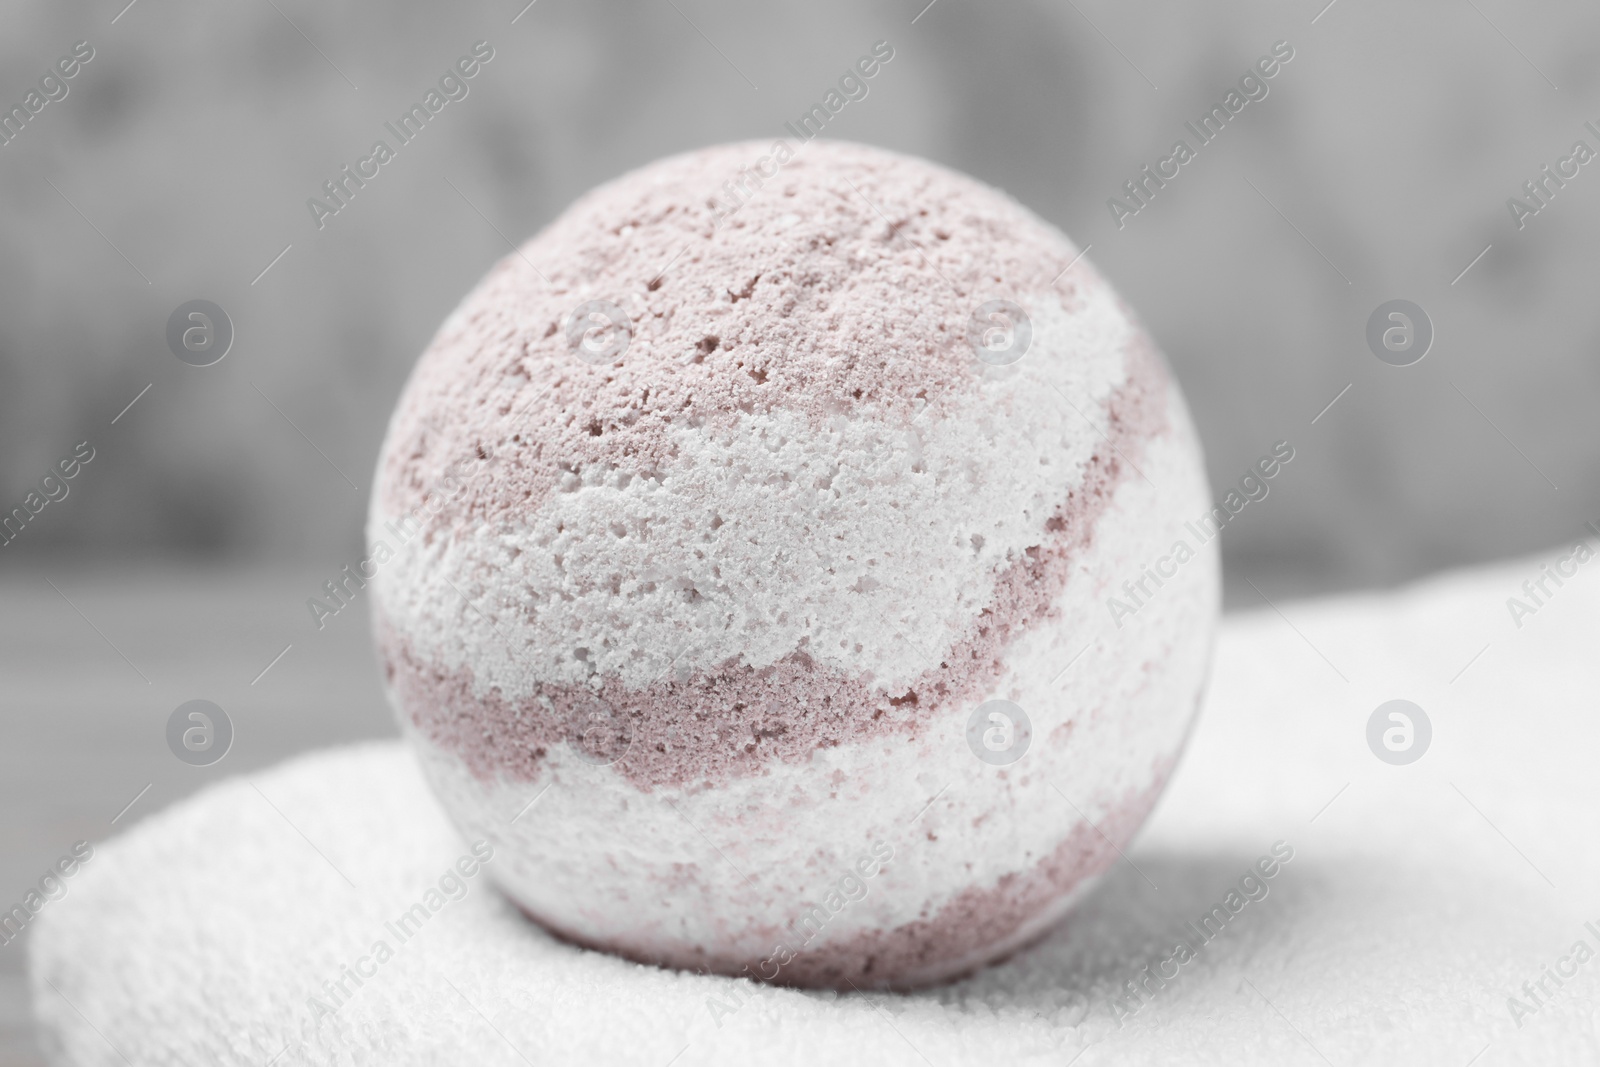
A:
(1390, 143)
(179, 163)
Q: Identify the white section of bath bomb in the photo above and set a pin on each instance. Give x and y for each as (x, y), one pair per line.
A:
(739, 552)
(795, 828)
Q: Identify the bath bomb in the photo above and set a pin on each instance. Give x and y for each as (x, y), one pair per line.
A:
(794, 562)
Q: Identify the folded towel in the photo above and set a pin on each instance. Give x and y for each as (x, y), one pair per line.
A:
(1445, 911)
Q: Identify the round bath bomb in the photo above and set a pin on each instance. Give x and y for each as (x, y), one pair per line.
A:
(795, 565)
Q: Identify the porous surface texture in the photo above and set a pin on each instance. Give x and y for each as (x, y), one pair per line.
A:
(1399, 933)
(694, 631)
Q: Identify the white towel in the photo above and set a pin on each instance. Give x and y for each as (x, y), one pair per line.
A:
(1420, 899)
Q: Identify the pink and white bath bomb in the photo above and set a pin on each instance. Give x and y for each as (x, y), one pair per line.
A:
(821, 619)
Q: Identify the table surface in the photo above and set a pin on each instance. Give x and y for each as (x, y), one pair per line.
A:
(90, 671)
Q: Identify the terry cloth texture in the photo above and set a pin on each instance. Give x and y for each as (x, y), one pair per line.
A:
(1418, 901)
